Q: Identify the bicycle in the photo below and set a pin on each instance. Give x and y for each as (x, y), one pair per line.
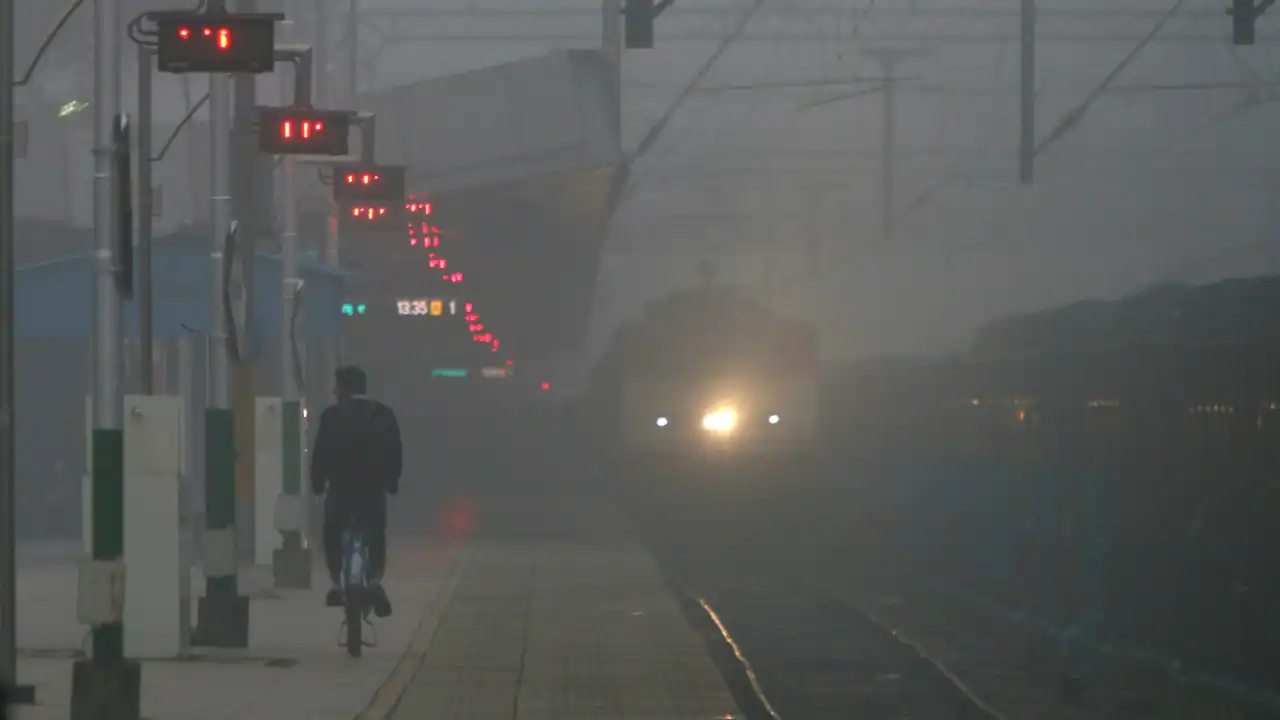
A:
(355, 591)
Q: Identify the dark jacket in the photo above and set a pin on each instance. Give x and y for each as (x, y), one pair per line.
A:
(357, 451)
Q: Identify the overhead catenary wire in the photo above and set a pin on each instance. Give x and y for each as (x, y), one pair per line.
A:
(48, 42)
(1073, 118)
(656, 130)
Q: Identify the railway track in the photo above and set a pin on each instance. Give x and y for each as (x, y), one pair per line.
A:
(794, 652)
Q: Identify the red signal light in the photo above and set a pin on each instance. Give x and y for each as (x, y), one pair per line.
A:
(368, 213)
(546, 386)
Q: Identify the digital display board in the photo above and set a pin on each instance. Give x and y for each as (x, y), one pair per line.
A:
(427, 306)
(227, 43)
(372, 184)
(408, 307)
(303, 131)
(373, 218)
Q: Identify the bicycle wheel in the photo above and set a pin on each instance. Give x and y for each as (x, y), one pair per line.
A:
(355, 622)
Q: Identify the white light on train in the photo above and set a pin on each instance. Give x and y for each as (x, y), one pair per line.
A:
(721, 420)
(660, 422)
(774, 419)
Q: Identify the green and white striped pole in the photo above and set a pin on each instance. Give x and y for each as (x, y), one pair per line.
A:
(106, 685)
(222, 615)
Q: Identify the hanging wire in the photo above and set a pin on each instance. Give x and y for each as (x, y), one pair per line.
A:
(145, 36)
(48, 41)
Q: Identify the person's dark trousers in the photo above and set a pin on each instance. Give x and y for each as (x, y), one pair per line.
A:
(371, 515)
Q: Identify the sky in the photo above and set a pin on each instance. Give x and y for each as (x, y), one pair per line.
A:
(1156, 182)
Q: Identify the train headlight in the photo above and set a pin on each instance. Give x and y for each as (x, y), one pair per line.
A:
(660, 422)
(774, 419)
(720, 420)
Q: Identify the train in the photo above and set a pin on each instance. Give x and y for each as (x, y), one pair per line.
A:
(1108, 467)
(709, 382)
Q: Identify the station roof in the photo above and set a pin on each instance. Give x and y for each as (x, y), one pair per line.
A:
(543, 117)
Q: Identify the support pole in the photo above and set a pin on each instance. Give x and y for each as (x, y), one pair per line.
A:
(146, 302)
(353, 45)
(8, 538)
(186, 491)
(106, 685)
(326, 349)
(245, 203)
(291, 564)
(611, 48)
(108, 398)
(889, 59)
(1027, 144)
(223, 614)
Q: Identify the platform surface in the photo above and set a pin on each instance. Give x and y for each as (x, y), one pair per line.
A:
(564, 631)
(293, 669)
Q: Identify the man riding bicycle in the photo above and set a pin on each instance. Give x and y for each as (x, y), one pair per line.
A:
(356, 463)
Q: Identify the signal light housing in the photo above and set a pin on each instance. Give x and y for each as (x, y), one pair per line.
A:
(303, 131)
(241, 43)
(371, 184)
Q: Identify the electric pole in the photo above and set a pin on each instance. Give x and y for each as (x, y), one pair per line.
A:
(222, 614)
(146, 300)
(353, 43)
(248, 189)
(889, 59)
(8, 514)
(107, 685)
(1027, 140)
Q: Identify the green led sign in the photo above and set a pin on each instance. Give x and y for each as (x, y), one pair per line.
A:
(449, 373)
(353, 309)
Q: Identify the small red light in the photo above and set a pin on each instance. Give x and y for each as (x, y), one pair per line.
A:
(184, 33)
(208, 32)
(224, 39)
(468, 307)
(351, 179)
(509, 362)
(365, 179)
(286, 130)
(546, 386)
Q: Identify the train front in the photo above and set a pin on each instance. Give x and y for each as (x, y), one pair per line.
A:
(738, 410)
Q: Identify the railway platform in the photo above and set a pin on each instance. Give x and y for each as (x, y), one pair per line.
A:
(293, 668)
(559, 630)
(520, 622)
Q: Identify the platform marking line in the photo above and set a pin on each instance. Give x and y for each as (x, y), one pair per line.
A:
(392, 690)
(742, 658)
(919, 650)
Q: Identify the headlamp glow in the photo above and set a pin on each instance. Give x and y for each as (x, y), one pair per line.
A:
(720, 420)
